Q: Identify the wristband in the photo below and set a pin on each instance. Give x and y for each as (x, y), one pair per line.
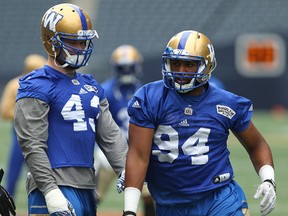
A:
(131, 199)
(266, 172)
(56, 201)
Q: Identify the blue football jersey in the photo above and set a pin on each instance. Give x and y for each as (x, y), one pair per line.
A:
(189, 154)
(118, 97)
(73, 114)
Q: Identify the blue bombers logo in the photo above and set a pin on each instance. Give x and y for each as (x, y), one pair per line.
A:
(51, 19)
(91, 88)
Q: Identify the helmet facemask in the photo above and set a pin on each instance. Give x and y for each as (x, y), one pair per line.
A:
(188, 46)
(126, 73)
(68, 55)
(126, 64)
(178, 80)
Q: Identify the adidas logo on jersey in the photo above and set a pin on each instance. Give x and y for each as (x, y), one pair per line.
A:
(225, 111)
(136, 104)
(184, 123)
(82, 91)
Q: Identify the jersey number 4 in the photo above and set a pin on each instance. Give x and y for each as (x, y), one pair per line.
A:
(194, 146)
(73, 110)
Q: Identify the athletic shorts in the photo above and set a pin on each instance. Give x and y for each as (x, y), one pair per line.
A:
(83, 201)
(227, 200)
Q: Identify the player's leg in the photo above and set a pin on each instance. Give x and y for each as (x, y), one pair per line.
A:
(104, 174)
(148, 202)
(83, 200)
(15, 163)
(176, 210)
(229, 200)
(37, 204)
(104, 180)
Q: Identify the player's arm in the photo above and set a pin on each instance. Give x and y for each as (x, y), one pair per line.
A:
(31, 125)
(140, 142)
(256, 146)
(261, 157)
(110, 139)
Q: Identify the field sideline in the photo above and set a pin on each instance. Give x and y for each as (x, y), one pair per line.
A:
(273, 127)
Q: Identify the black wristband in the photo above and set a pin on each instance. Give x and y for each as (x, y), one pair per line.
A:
(127, 213)
(272, 182)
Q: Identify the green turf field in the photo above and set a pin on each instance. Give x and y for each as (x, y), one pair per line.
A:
(274, 129)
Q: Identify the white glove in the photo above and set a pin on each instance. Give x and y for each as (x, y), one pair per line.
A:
(57, 204)
(268, 190)
(121, 182)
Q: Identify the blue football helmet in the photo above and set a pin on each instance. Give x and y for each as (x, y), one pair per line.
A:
(126, 64)
(188, 46)
(67, 22)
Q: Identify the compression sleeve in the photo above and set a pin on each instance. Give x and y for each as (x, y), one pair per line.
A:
(110, 139)
(31, 125)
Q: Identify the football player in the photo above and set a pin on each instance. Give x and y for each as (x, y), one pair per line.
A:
(16, 160)
(126, 62)
(59, 116)
(178, 134)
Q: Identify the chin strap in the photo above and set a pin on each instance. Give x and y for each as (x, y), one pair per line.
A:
(55, 62)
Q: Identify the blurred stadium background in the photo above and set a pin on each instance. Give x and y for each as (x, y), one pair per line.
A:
(249, 37)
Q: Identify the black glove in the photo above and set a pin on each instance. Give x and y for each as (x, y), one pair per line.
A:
(7, 204)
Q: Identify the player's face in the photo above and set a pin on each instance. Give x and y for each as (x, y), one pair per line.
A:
(79, 44)
(184, 66)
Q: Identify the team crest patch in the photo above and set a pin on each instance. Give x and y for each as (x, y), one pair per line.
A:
(188, 111)
(225, 111)
(91, 88)
(75, 82)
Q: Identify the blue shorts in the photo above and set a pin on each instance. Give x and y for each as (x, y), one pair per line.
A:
(83, 201)
(227, 200)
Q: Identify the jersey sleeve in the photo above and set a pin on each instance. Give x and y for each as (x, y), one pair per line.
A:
(139, 110)
(244, 115)
(33, 86)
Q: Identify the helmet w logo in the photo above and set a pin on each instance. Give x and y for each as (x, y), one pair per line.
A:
(51, 19)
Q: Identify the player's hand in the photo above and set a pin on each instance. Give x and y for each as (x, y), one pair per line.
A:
(58, 205)
(7, 205)
(121, 182)
(128, 213)
(268, 190)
